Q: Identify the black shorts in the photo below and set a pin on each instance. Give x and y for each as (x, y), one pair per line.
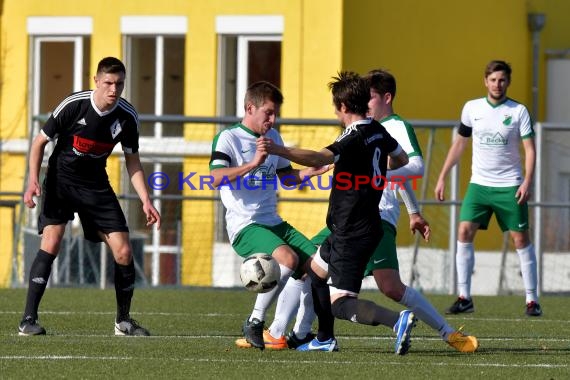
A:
(98, 209)
(347, 258)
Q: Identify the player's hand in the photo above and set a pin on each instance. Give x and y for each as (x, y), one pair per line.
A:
(263, 145)
(34, 190)
(418, 223)
(440, 190)
(317, 170)
(152, 215)
(523, 193)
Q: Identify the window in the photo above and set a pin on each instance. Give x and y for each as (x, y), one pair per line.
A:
(154, 56)
(60, 56)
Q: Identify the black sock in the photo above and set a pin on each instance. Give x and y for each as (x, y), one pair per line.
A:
(39, 276)
(322, 305)
(364, 312)
(124, 289)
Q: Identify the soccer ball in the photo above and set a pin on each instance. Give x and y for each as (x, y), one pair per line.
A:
(259, 273)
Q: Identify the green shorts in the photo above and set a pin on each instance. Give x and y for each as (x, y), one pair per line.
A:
(321, 236)
(385, 255)
(258, 238)
(482, 201)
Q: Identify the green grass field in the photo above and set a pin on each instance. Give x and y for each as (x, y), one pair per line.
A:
(194, 332)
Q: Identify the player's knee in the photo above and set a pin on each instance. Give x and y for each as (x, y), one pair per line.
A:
(344, 308)
(123, 255)
(393, 292)
(520, 241)
(286, 256)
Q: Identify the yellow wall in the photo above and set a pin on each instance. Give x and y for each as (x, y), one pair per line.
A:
(438, 49)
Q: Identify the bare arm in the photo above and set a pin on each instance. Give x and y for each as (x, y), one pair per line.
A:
(295, 176)
(35, 163)
(451, 160)
(397, 160)
(523, 192)
(136, 173)
(300, 156)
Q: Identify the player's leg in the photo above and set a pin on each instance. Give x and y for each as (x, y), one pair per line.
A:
(383, 265)
(38, 278)
(464, 265)
(286, 305)
(103, 220)
(124, 278)
(475, 214)
(256, 238)
(348, 262)
(529, 271)
(289, 298)
(302, 330)
(56, 211)
(513, 217)
(318, 273)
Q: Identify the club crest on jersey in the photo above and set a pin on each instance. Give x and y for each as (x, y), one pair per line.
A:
(508, 120)
(261, 174)
(116, 128)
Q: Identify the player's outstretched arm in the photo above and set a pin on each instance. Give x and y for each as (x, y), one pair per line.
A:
(300, 156)
(34, 188)
(136, 173)
(296, 176)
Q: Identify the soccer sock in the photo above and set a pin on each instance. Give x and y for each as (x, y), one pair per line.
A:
(527, 259)
(465, 262)
(124, 289)
(306, 313)
(264, 300)
(287, 303)
(421, 307)
(39, 275)
(364, 312)
(322, 306)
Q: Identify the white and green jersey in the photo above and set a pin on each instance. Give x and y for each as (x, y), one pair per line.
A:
(404, 134)
(253, 197)
(497, 131)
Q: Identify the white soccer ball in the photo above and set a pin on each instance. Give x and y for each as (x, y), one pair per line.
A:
(259, 273)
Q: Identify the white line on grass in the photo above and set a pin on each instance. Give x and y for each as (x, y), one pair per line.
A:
(267, 360)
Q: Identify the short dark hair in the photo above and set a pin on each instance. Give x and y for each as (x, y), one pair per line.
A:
(497, 65)
(257, 93)
(382, 81)
(352, 90)
(111, 65)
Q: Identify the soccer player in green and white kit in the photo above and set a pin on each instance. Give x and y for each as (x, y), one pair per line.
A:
(497, 124)
(247, 178)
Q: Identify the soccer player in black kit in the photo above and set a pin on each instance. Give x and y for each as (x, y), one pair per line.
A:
(361, 155)
(87, 125)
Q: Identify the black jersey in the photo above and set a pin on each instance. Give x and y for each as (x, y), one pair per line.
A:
(86, 137)
(361, 157)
